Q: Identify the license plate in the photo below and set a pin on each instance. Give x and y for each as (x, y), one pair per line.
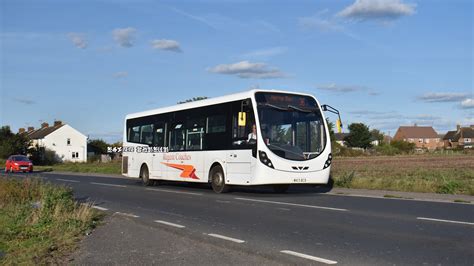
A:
(23, 167)
(299, 180)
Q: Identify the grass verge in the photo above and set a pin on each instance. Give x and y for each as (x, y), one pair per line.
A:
(114, 167)
(40, 223)
(415, 173)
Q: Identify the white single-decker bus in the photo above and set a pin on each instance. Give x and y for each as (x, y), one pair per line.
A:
(258, 137)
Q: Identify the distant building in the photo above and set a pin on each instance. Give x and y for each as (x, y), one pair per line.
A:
(462, 137)
(424, 137)
(68, 143)
(339, 138)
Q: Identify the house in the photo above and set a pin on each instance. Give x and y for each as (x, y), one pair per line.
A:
(68, 143)
(424, 137)
(339, 138)
(462, 137)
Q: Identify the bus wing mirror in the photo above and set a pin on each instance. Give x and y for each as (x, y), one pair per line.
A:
(333, 110)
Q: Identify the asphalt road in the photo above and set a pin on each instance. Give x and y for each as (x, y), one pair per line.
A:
(303, 226)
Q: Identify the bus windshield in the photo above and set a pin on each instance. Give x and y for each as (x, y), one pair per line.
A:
(291, 125)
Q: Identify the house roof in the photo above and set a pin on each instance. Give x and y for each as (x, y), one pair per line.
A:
(464, 132)
(340, 136)
(40, 133)
(418, 132)
(449, 135)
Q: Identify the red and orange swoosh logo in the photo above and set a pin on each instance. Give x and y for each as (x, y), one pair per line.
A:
(188, 170)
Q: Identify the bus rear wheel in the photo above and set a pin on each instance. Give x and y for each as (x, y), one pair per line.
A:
(218, 180)
(145, 175)
(280, 188)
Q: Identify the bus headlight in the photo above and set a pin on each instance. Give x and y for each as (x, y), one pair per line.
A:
(264, 159)
(328, 161)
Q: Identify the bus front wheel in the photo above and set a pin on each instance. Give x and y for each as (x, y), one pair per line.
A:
(145, 175)
(218, 180)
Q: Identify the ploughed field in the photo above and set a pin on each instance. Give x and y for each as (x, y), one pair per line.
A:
(450, 174)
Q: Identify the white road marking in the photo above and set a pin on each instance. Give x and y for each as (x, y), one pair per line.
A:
(100, 208)
(397, 198)
(284, 209)
(293, 204)
(444, 221)
(174, 191)
(309, 257)
(106, 184)
(170, 224)
(227, 238)
(68, 180)
(127, 214)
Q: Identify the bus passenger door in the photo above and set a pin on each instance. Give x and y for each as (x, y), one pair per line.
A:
(158, 149)
(239, 166)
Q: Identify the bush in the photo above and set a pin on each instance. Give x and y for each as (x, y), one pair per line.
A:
(43, 156)
(403, 146)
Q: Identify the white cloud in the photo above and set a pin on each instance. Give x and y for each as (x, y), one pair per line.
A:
(268, 52)
(378, 10)
(124, 36)
(25, 101)
(78, 39)
(346, 89)
(168, 45)
(121, 75)
(434, 97)
(467, 103)
(246, 69)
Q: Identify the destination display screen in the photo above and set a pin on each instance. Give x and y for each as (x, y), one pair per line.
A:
(284, 100)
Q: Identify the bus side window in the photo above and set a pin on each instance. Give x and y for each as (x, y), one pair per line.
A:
(177, 139)
(134, 134)
(160, 133)
(146, 134)
(194, 134)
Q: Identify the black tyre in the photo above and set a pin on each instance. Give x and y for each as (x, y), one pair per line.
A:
(218, 180)
(145, 175)
(280, 188)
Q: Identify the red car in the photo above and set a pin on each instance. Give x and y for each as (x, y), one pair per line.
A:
(17, 163)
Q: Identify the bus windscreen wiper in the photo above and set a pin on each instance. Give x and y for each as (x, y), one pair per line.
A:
(300, 109)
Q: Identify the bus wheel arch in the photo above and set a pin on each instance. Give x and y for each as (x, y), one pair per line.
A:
(145, 175)
(217, 179)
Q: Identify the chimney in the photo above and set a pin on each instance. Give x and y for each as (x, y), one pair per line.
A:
(58, 123)
(44, 125)
(458, 127)
(21, 130)
(30, 129)
(415, 125)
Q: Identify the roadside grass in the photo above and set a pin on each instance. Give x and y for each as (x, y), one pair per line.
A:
(114, 167)
(40, 223)
(415, 173)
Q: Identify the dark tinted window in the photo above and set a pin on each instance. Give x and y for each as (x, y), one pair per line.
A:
(20, 159)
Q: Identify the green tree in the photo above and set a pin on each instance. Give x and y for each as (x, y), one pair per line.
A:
(331, 130)
(97, 146)
(11, 143)
(193, 99)
(359, 136)
(403, 146)
(377, 135)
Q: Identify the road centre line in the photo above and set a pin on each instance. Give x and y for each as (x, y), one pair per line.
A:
(293, 204)
(106, 184)
(170, 224)
(227, 238)
(174, 191)
(100, 208)
(127, 214)
(68, 180)
(444, 221)
(309, 257)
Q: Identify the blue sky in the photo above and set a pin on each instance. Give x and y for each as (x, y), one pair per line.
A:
(382, 62)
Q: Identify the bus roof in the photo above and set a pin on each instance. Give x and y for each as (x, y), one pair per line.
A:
(206, 102)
